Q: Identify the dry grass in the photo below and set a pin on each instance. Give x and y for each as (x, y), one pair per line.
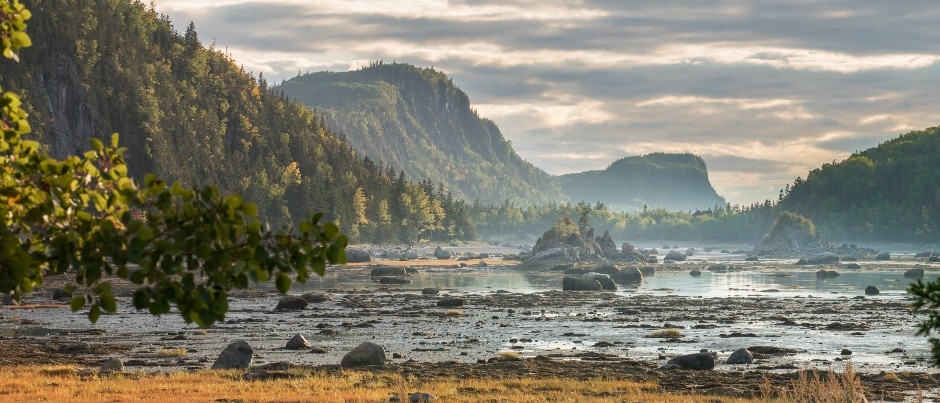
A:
(813, 387)
(666, 334)
(31, 384)
(171, 352)
(509, 356)
(453, 312)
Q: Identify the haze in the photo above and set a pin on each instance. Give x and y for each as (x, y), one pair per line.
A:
(763, 90)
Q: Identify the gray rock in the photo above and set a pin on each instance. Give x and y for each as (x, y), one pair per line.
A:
(872, 290)
(410, 255)
(933, 259)
(740, 356)
(291, 303)
(297, 342)
(421, 397)
(846, 351)
(237, 355)
(696, 361)
(917, 273)
(450, 302)
(629, 275)
(652, 259)
(675, 256)
(367, 353)
(883, 256)
(823, 258)
(442, 253)
(554, 253)
(570, 283)
(827, 274)
(695, 273)
(357, 255)
(607, 283)
(384, 271)
(111, 366)
(59, 294)
(648, 270)
(316, 298)
(751, 259)
(430, 291)
(853, 266)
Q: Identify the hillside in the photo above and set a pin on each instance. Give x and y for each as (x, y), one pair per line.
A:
(676, 182)
(887, 193)
(417, 119)
(189, 113)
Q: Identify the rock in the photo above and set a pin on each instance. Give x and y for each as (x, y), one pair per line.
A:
(872, 290)
(111, 366)
(411, 270)
(933, 259)
(389, 280)
(607, 245)
(421, 397)
(695, 273)
(367, 353)
(297, 342)
(354, 255)
(824, 274)
(846, 351)
(384, 271)
(606, 282)
(751, 259)
(689, 252)
(648, 270)
(442, 253)
(853, 266)
(627, 248)
(652, 259)
(917, 273)
(823, 258)
(605, 266)
(883, 256)
(628, 275)
(409, 255)
(482, 264)
(790, 232)
(696, 361)
(675, 256)
(570, 283)
(925, 253)
(316, 298)
(59, 294)
(430, 291)
(237, 355)
(8, 300)
(740, 356)
(291, 303)
(720, 268)
(450, 302)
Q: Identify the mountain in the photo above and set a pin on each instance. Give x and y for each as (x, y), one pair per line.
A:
(189, 113)
(671, 181)
(416, 119)
(886, 193)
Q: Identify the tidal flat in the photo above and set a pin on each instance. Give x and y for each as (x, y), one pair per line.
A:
(787, 316)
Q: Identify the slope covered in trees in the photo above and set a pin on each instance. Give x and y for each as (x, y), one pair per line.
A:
(887, 193)
(186, 112)
(416, 118)
(673, 181)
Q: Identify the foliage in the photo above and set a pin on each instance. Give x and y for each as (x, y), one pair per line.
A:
(182, 246)
(418, 119)
(927, 300)
(790, 221)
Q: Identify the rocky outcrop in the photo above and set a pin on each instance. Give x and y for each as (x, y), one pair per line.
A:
(367, 353)
(790, 233)
(607, 245)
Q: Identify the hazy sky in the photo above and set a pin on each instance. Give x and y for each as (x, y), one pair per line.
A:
(763, 90)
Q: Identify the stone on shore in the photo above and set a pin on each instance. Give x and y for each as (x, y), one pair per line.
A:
(872, 290)
(111, 366)
(696, 361)
(297, 342)
(354, 255)
(291, 303)
(367, 353)
(237, 355)
(740, 356)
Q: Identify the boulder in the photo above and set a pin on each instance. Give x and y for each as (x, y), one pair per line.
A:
(604, 266)
(789, 233)
(853, 266)
(652, 259)
(450, 302)
(354, 255)
(237, 355)
(627, 248)
(421, 397)
(430, 291)
(297, 342)
(675, 256)
(367, 353)
(823, 258)
(442, 253)
(316, 298)
(111, 366)
(648, 270)
(554, 253)
(571, 283)
(628, 275)
(689, 252)
(695, 273)
(409, 255)
(607, 283)
(696, 361)
(383, 271)
(883, 256)
(917, 273)
(291, 303)
(751, 259)
(720, 268)
(824, 274)
(872, 290)
(607, 245)
(740, 356)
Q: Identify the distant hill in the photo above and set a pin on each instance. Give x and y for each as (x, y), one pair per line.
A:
(416, 119)
(672, 181)
(887, 193)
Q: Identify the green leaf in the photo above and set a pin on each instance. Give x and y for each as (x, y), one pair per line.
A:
(97, 145)
(94, 313)
(140, 300)
(77, 303)
(109, 303)
(282, 283)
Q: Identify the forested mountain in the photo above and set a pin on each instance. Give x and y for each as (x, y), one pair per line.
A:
(417, 119)
(189, 113)
(887, 193)
(676, 182)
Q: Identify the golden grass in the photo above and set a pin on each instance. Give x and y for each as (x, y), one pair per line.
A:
(666, 334)
(453, 312)
(811, 387)
(31, 384)
(171, 352)
(509, 356)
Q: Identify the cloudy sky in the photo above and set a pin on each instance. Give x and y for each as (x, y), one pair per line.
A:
(763, 90)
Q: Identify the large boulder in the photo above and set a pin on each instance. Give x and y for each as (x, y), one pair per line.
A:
(572, 283)
(824, 274)
(917, 273)
(367, 353)
(607, 245)
(354, 255)
(675, 256)
(822, 258)
(696, 361)
(111, 366)
(297, 342)
(237, 355)
(740, 356)
(883, 256)
(789, 233)
(565, 234)
(442, 253)
(872, 290)
(607, 283)
(629, 275)
(291, 303)
(386, 271)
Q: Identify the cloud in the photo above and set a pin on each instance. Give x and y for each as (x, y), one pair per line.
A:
(764, 90)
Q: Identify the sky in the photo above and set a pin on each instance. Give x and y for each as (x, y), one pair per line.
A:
(763, 90)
